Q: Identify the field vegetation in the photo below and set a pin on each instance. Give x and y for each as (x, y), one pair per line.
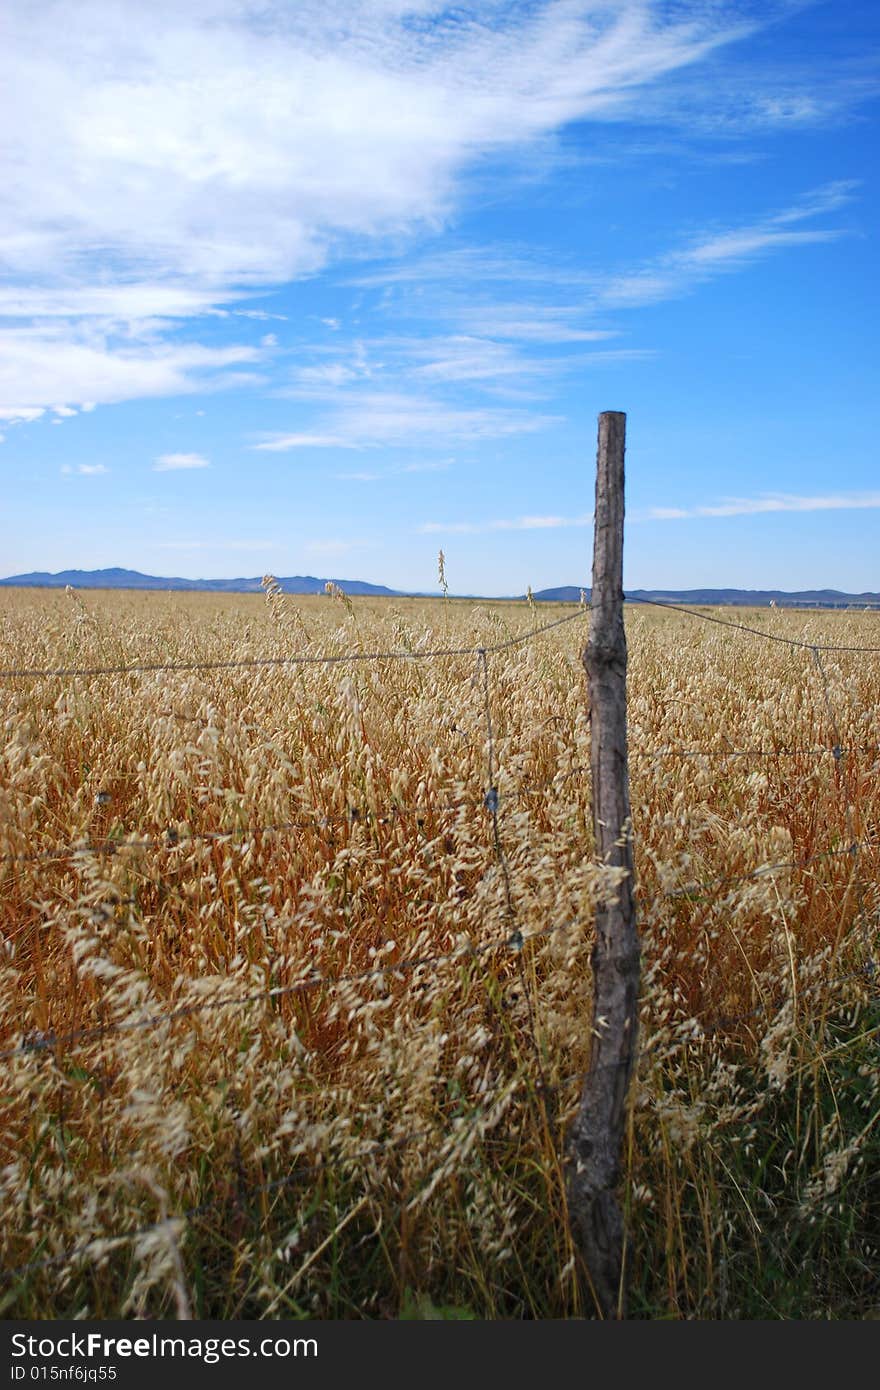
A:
(287, 1030)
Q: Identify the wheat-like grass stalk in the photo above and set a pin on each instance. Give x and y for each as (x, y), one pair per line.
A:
(392, 1143)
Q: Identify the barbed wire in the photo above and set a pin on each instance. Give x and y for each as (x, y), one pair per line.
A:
(762, 870)
(234, 1200)
(387, 813)
(46, 1042)
(713, 751)
(336, 658)
(837, 751)
(299, 1174)
(318, 659)
(514, 937)
(490, 800)
(515, 941)
(99, 1246)
(753, 631)
(172, 839)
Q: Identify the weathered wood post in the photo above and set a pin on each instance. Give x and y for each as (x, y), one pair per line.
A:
(596, 1135)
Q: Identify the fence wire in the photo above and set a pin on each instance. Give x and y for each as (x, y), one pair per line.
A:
(251, 663)
(753, 631)
(97, 1247)
(513, 939)
(340, 658)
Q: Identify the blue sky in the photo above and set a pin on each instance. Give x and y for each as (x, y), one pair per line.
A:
(323, 288)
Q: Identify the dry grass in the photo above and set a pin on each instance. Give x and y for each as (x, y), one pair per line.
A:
(389, 1146)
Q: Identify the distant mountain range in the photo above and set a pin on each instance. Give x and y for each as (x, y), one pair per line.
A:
(131, 579)
(743, 598)
(308, 584)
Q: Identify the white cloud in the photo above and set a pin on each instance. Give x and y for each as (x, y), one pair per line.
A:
(149, 178)
(47, 364)
(282, 443)
(423, 466)
(663, 514)
(676, 272)
(168, 463)
(86, 470)
(329, 374)
(819, 201)
(141, 130)
(471, 264)
(121, 302)
(752, 241)
(257, 314)
(772, 91)
(399, 420)
(521, 523)
(771, 502)
(457, 284)
(392, 365)
(535, 323)
(472, 359)
(21, 414)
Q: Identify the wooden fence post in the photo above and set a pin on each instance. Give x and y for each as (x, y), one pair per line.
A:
(596, 1135)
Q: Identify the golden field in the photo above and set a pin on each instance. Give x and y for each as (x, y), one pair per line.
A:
(286, 1033)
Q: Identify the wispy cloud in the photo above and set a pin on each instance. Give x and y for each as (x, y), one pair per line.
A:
(829, 197)
(403, 470)
(532, 323)
(225, 179)
(521, 523)
(517, 264)
(145, 146)
(258, 314)
(61, 362)
(170, 463)
(283, 443)
(21, 414)
(401, 421)
(677, 272)
(770, 502)
(731, 506)
(742, 245)
(429, 390)
(123, 302)
(472, 359)
(459, 283)
(85, 470)
(149, 180)
(394, 363)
